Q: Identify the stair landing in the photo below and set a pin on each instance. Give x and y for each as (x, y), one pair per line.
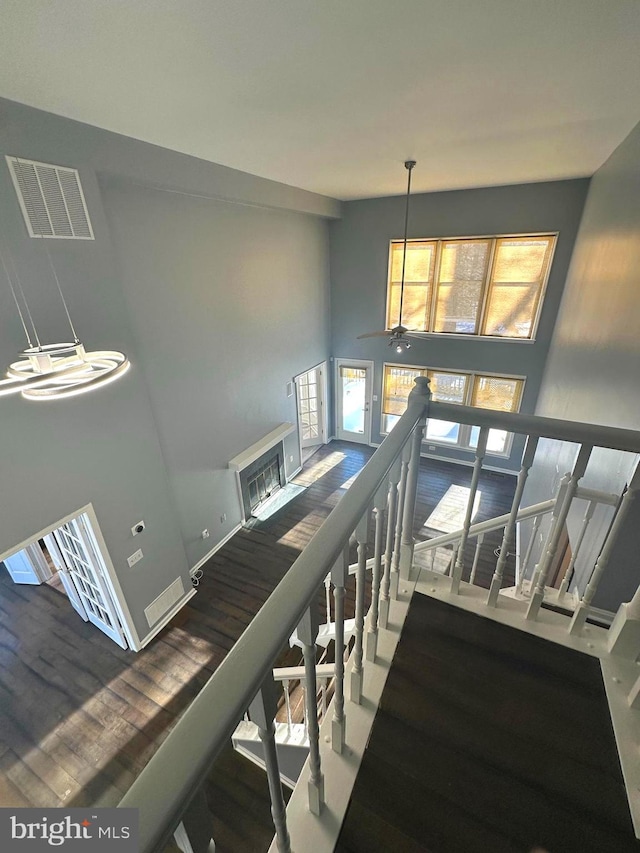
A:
(488, 739)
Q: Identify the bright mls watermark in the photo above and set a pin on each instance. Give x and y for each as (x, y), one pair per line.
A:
(69, 830)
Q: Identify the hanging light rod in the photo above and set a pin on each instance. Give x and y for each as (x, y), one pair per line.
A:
(398, 336)
(52, 371)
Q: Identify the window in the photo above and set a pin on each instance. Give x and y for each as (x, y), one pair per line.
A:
(490, 286)
(502, 393)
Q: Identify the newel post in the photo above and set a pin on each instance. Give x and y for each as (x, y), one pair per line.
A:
(421, 392)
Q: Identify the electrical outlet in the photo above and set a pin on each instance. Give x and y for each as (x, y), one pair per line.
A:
(291, 458)
(205, 533)
(431, 447)
(375, 398)
(137, 528)
(135, 557)
(223, 518)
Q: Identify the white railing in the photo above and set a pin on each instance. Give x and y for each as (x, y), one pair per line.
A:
(169, 792)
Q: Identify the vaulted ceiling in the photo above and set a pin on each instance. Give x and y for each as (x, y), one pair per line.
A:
(333, 95)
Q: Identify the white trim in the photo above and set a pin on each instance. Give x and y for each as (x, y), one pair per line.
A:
(240, 462)
(167, 617)
(295, 473)
(605, 616)
(111, 577)
(358, 363)
(323, 368)
(215, 548)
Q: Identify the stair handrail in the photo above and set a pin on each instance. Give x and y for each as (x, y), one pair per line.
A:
(175, 773)
(576, 432)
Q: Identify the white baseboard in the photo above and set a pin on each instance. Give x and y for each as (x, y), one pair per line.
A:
(294, 473)
(469, 463)
(215, 548)
(166, 618)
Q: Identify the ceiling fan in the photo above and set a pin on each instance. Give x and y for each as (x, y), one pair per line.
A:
(399, 335)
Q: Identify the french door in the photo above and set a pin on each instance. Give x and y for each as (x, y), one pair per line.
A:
(353, 400)
(311, 407)
(86, 573)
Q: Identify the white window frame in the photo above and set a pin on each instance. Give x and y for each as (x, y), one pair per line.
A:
(485, 286)
(464, 436)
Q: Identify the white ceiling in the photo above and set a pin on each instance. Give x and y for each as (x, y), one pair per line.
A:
(333, 95)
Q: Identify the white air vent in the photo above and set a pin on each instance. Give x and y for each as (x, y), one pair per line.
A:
(163, 602)
(51, 200)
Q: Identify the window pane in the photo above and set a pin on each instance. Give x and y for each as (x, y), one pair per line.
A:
(442, 431)
(398, 382)
(352, 390)
(463, 267)
(496, 392)
(388, 422)
(519, 273)
(448, 387)
(496, 440)
(418, 278)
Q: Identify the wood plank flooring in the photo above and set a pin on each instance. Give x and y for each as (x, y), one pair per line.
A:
(488, 739)
(81, 717)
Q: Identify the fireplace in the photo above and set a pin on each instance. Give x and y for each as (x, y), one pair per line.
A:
(260, 469)
(261, 479)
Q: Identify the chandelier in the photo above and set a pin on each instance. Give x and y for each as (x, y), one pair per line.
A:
(52, 371)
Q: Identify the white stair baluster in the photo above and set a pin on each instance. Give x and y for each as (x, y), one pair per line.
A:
(327, 598)
(582, 611)
(355, 683)
(307, 634)
(510, 528)
(379, 504)
(537, 594)
(339, 575)
(394, 477)
(193, 833)
(476, 557)
(527, 557)
(262, 712)
(566, 580)
(287, 702)
(397, 545)
(420, 390)
(458, 566)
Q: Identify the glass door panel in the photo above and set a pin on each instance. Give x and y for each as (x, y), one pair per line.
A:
(353, 401)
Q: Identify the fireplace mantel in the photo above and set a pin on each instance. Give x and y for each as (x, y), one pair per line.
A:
(240, 462)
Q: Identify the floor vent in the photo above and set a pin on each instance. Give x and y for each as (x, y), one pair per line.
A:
(164, 601)
(51, 200)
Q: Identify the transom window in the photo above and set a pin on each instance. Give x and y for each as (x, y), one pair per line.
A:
(470, 286)
(484, 391)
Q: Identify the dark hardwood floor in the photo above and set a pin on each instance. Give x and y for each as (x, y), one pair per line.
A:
(488, 739)
(81, 717)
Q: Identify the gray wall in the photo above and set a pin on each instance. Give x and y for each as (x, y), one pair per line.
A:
(216, 303)
(227, 302)
(593, 367)
(359, 264)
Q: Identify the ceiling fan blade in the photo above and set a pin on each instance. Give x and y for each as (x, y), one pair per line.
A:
(374, 335)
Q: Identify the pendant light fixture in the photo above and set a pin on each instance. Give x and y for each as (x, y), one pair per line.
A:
(52, 371)
(399, 335)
